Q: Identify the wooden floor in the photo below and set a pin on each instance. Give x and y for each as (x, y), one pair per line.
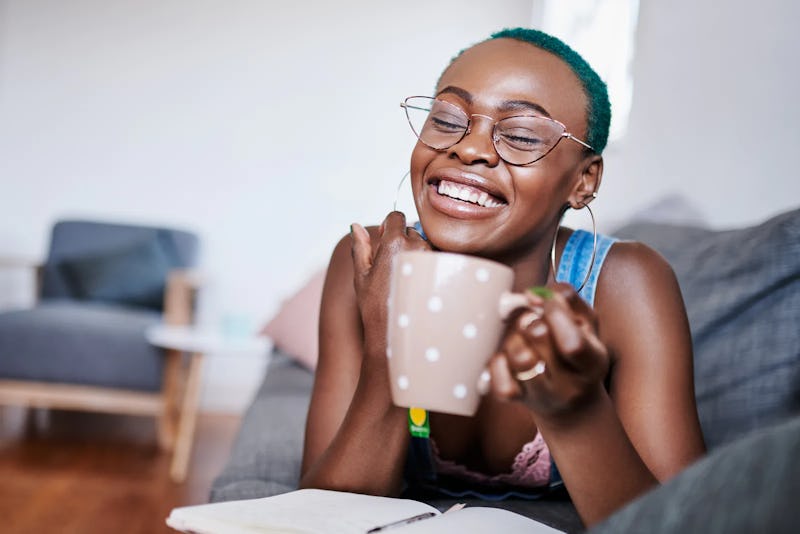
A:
(69, 472)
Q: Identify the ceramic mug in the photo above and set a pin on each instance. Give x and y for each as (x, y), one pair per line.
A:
(445, 322)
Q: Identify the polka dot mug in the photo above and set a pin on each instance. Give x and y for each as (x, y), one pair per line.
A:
(445, 323)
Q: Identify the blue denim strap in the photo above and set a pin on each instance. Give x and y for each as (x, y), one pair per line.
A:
(418, 228)
(576, 260)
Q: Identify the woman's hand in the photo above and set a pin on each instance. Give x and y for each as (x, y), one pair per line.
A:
(372, 265)
(551, 356)
(356, 438)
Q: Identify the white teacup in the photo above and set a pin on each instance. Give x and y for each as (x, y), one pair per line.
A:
(445, 323)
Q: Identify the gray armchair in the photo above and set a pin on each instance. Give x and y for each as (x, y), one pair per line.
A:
(83, 346)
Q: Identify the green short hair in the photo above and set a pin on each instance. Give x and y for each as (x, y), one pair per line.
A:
(598, 114)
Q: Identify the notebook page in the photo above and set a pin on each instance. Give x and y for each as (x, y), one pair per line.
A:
(302, 511)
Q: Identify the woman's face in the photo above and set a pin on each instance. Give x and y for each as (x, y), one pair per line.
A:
(500, 78)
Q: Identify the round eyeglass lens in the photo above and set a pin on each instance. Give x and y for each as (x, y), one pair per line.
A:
(436, 123)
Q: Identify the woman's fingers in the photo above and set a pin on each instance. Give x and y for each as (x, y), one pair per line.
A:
(572, 330)
(396, 237)
(566, 294)
(551, 355)
(503, 385)
(362, 249)
(394, 225)
(530, 348)
(393, 228)
(566, 334)
(415, 236)
(373, 254)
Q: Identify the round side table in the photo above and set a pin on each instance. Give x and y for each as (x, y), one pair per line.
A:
(196, 342)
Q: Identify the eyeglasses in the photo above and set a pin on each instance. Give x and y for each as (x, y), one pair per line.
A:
(519, 140)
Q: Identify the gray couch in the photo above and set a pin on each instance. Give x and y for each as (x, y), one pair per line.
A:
(742, 293)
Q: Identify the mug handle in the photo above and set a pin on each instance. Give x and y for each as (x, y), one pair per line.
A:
(508, 303)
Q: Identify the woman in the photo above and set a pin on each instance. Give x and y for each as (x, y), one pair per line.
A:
(514, 138)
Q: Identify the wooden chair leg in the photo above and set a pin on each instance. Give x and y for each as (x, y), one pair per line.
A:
(188, 419)
(171, 396)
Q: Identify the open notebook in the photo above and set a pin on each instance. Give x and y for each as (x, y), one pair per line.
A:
(314, 511)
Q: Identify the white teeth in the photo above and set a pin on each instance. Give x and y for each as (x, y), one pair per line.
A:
(467, 194)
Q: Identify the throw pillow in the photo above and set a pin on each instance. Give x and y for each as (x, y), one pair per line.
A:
(295, 328)
(134, 275)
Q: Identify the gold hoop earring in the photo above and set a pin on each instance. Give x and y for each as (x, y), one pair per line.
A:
(594, 245)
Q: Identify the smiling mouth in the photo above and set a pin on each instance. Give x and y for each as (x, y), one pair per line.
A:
(466, 193)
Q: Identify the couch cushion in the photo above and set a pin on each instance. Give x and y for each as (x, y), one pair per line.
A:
(135, 274)
(747, 486)
(80, 343)
(266, 456)
(742, 293)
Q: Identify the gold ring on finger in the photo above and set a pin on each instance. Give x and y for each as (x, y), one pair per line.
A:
(531, 373)
(528, 319)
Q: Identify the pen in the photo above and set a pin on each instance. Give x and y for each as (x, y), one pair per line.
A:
(405, 521)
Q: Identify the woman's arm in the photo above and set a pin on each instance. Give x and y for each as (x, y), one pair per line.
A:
(356, 439)
(652, 381)
(611, 446)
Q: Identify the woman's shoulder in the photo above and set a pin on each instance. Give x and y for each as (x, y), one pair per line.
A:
(636, 286)
(633, 262)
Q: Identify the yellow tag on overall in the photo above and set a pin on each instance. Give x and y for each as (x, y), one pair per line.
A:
(418, 423)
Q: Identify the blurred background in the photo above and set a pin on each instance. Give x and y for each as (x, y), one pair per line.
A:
(269, 127)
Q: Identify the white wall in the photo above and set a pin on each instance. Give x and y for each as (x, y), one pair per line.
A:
(267, 127)
(715, 111)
